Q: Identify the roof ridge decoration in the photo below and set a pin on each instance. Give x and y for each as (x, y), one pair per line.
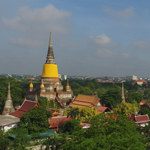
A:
(50, 53)
(30, 101)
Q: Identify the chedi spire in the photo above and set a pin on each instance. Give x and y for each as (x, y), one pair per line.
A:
(8, 108)
(50, 54)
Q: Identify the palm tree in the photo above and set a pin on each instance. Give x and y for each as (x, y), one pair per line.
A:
(73, 112)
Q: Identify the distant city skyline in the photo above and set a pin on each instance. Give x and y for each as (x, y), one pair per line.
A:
(90, 38)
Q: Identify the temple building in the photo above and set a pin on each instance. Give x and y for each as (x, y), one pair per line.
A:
(8, 108)
(50, 85)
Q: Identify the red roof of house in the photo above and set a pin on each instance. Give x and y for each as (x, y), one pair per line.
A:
(26, 105)
(131, 117)
(142, 118)
(102, 109)
(58, 121)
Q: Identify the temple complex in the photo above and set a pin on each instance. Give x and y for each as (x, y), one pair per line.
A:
(8, 108)
(50, 85)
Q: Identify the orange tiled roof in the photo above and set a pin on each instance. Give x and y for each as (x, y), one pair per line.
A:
(131, 117)
(85, 101)
(58, 121)
(142, 102)
(26, 105)
(102, 109)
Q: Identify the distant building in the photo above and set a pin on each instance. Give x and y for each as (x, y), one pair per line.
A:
(64, 77)
(140, 82)
(133, 77)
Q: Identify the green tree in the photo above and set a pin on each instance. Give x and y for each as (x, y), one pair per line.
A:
(4, 141)
(125, 108)
(105, 134)
(147, 94)
(144, 111)
(35, 120)
(134, 96)
(111, 98)
(73, 112)
(22, 139)
(71, 126)
(53, 143)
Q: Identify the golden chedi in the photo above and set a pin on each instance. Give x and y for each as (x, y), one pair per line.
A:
(50, 85)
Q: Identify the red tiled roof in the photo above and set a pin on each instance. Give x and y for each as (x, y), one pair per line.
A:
(141, 118)
(17, 113)
(26, 105)
(102, 109)
(131, 117)
(85, 101)
(58, 121)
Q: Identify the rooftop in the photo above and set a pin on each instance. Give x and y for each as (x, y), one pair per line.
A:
(85, 101)
(26, 105)
(8, 119)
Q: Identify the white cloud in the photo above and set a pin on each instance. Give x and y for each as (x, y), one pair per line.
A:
(126, 13)
(102, 40)
(105, 47)
(105, 53)
(39, 20)
(140, 45)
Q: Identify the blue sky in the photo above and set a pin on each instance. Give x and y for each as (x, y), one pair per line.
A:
(90, 37)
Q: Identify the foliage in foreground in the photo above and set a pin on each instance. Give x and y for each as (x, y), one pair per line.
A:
(105, 134)
(35, 120)
(4, 141)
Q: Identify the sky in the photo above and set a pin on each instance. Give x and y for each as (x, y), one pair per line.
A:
(89, 37)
